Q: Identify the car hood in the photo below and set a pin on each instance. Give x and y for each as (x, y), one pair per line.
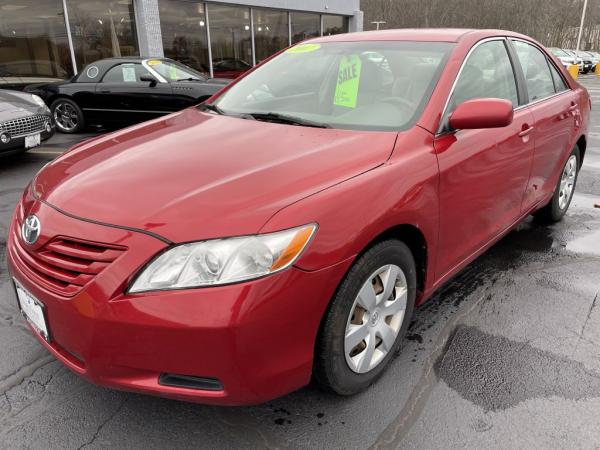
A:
(195, 175)
(15, 104)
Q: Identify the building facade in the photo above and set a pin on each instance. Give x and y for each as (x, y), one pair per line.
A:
(57, 38)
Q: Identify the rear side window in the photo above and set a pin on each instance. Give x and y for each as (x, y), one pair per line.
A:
(559, 82)
(487, 73)
(538, 77)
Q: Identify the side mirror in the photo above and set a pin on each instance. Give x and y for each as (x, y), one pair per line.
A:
(482, 113)
(148, 79)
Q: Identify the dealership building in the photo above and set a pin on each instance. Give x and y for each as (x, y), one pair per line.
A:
(57, 38)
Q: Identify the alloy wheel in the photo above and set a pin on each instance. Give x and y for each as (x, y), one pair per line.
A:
(567, 182)
(66, 116)
(375, 318)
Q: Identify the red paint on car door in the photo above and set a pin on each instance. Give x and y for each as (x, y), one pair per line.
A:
(554, 127)
(483, 174)
(556, 114)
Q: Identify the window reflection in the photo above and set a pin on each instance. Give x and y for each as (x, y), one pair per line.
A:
(33, 43)
(334, 25)
(271, 32)
(231, 41)
(183, 26)
(305, 26)
(102, 29)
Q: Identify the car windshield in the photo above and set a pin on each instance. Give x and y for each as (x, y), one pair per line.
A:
(174, 71)
(369, 85)
(558, 52)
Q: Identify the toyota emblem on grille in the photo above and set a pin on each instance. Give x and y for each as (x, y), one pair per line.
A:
(30, 230)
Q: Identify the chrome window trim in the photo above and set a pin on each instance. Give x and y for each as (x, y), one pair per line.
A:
(460, 71)
(518, 108)
(539, 100)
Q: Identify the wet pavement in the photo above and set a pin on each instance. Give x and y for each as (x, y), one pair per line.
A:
(506, 355)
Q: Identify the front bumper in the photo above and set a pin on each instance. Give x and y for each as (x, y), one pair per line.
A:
(17, 144)
(256, 338)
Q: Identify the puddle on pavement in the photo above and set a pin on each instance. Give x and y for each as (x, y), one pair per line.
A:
(589, 244)
(497, 373)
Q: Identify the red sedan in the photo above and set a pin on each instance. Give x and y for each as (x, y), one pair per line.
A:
(286, 229)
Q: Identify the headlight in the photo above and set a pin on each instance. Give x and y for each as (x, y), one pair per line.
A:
(224, 261)
(37, 99)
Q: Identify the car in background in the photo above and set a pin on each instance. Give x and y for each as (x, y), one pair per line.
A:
(25, 121)
(285, 230)
(17, 75)
(585, 63)
(122, 91)
(230, 67)
(593, 57)
(566, 59)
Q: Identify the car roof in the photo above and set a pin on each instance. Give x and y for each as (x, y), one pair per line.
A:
(419, 34)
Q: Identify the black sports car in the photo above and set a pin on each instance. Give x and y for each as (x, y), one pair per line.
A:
(25, 121)
(123, 91)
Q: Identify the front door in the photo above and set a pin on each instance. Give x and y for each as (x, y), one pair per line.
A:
(483, 173)
(122, 96)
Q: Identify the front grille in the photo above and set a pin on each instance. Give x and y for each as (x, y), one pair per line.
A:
(25, 125)
(65, 265)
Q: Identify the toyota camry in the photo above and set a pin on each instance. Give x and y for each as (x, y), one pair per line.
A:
(285, 230)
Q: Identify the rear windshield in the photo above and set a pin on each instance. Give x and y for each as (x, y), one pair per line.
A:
(351, 85)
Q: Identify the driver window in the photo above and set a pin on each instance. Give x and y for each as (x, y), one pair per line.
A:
(487, 73)
(125, 73)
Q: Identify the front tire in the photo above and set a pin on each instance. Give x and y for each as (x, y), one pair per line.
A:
(367, 319)
(555, 210)
(67, 116)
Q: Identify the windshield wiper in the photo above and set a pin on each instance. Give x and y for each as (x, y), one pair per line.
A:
(211, 107)
(285, 119)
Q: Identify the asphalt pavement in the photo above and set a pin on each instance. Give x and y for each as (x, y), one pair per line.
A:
(506, 355)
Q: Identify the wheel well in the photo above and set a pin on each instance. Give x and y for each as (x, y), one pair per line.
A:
(415, 241)
(54, 98)
(203, 98)
(582, 144)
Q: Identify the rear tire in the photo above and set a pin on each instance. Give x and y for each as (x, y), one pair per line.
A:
(344, 364)
(67, 116)
(555, 210)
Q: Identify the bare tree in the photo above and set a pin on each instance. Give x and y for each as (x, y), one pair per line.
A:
(552, 22)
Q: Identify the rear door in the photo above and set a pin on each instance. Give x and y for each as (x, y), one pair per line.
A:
(483, 173)
(556, 114)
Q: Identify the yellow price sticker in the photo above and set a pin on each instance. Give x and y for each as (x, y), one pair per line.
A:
(348, 83)
(304, 48)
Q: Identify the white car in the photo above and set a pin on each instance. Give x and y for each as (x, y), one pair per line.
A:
(566, 58)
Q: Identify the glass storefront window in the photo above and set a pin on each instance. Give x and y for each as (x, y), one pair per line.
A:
(334, 25)
(183, 26)
(271, 32)
(102, 29)
(34, 46)
(231, 39)
(305, 26)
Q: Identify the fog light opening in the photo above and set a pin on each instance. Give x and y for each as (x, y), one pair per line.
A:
(190, 382)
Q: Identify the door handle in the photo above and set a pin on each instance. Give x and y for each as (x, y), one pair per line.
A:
(573, 107)
(526, 131)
